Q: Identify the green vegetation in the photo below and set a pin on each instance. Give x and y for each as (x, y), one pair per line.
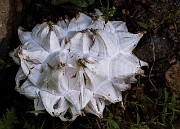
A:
(8, 119)
(144, 112)
(4, 64)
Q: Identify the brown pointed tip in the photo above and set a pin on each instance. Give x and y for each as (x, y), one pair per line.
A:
(101, 116)
(143, 32)
(17, 88)
(140, 71)
(122, 106)
(78, 15)
(50, 25)
(21, 28)
(82, 113)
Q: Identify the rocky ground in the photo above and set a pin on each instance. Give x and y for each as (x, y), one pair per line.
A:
(153, 102)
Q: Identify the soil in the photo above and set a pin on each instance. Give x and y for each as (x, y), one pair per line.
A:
(160, 47)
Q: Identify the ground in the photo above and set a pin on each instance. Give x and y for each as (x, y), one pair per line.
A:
(150, 104)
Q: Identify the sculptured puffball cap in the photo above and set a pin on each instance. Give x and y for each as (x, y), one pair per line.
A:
(76, 66)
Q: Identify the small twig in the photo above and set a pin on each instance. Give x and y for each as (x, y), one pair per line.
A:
(154, 58)
(100, 3)
(125, 97)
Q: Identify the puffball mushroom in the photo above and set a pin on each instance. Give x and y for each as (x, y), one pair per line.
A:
(76, 66)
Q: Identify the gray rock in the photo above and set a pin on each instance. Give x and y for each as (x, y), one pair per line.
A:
(9, 21)
(173, 78)
(157, 45)
(6, 24)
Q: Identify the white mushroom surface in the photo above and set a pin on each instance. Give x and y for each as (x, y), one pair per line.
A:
(76, 66)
